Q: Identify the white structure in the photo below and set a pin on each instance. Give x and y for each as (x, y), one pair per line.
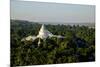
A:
(43, 34)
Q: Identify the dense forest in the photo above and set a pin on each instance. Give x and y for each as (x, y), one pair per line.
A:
(78, 46)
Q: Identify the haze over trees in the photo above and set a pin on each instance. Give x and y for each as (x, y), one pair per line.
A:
(78, 46)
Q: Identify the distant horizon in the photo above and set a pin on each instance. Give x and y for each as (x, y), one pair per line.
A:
(50, 22)
(52, 12)
(91, 25)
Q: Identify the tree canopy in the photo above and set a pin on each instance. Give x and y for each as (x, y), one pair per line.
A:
(78, 46)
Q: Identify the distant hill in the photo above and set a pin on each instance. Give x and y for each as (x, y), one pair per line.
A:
(91, 25)
(80, 24)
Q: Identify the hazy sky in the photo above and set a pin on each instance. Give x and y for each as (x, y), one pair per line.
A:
(52, 12)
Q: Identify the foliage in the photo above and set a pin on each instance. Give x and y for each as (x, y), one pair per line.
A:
(78, 46)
